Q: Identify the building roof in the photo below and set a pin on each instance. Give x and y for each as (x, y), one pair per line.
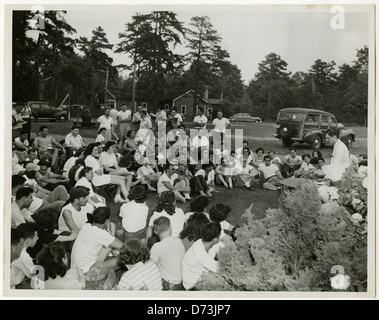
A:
(200, 97)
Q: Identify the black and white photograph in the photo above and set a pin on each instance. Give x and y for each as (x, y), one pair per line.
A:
(186, 150)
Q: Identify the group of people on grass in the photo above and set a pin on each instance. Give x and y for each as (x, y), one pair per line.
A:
(63, 193)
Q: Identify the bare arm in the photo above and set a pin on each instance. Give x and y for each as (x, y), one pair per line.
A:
(67, 216)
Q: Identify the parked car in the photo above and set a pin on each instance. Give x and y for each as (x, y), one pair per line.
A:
(309, 126)
(85, 113)
(41, 110)
(244, 117)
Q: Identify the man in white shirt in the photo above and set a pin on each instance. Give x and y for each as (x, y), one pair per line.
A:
(106, 121)
(74, 140)
(93, 245)
(199, 259)
(220, 125)
(269, 174)
(340, 159)
(200, 121)
(292, 162)
(124, 118)
(136, 120)
(177, 117)
(167, 181)
(168, 254)
(24, 198)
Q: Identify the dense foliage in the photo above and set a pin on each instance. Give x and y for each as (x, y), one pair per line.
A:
(293, 248)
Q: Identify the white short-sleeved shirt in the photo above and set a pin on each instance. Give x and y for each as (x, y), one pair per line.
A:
(307, 166)
(196, 261)
(79, 217)
(69, 164)
(177, 220)
(164, 178)
(107, 159)
(293, 161)
(87, 246)
(123, 115)
(220, 124)
(201, 119)
(168, 255)
(100, 138)
(269, 171)
(98, 180)
(105, 122)
(83, 182)
(76, 141)
(144, 171)
(24, 143)
(134, 216)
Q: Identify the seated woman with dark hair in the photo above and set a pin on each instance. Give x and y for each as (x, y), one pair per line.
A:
(143, 273)
(57, 274)
(316, 154)
(130, 143)
(109, 161)
(191, 232)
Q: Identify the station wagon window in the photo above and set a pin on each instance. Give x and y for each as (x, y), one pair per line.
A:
(45, 106)
(333, 122)
(34, 105)
(324, 120)
(312, 118)
(290, 116)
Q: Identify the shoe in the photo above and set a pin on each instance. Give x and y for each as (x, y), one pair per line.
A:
(248, 188)
(118, 198)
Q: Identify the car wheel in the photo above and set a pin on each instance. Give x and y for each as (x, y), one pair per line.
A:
(33, 117)
(317, 142)
(348, 141)
(287, 143)
(62, 118)
(285, 131)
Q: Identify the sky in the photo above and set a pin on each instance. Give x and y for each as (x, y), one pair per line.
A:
(299, 34)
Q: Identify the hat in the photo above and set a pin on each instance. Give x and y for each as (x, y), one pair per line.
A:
(78, 192)
(137, 193)
(32, 167)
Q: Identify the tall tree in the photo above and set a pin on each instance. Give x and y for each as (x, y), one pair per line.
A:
(95, 51)
(206, 55)
(269, 88)
(150, 40)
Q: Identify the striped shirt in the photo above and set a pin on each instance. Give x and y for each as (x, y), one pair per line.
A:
(142, 276)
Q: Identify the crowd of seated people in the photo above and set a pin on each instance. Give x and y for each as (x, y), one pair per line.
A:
(62, 191)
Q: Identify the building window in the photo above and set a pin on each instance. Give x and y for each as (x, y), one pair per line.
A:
(167, 106)
(144, 105)
(183, 109)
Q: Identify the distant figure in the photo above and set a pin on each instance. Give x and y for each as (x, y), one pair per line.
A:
(106, 121)
(124, 118)
(200, 121)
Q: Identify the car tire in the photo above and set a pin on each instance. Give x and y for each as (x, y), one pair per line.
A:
(33, 117)
(317, 142)
(285, 131)
(287, 142)
(348, 141)
(62, 118)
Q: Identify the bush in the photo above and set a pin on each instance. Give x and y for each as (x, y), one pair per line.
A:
(293, 248)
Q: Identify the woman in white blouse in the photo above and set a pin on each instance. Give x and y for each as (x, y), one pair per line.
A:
(110, 164)
(99, 178)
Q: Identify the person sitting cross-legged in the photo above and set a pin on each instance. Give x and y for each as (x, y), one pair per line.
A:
(269, 174)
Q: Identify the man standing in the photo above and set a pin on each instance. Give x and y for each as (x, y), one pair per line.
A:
(124, 117)
(17, 119)
(74, 140)
(340, 159)
(26, 116)
(220, 125)
(106, 121)
(136, 120)
(177, 118)
(200, 121)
